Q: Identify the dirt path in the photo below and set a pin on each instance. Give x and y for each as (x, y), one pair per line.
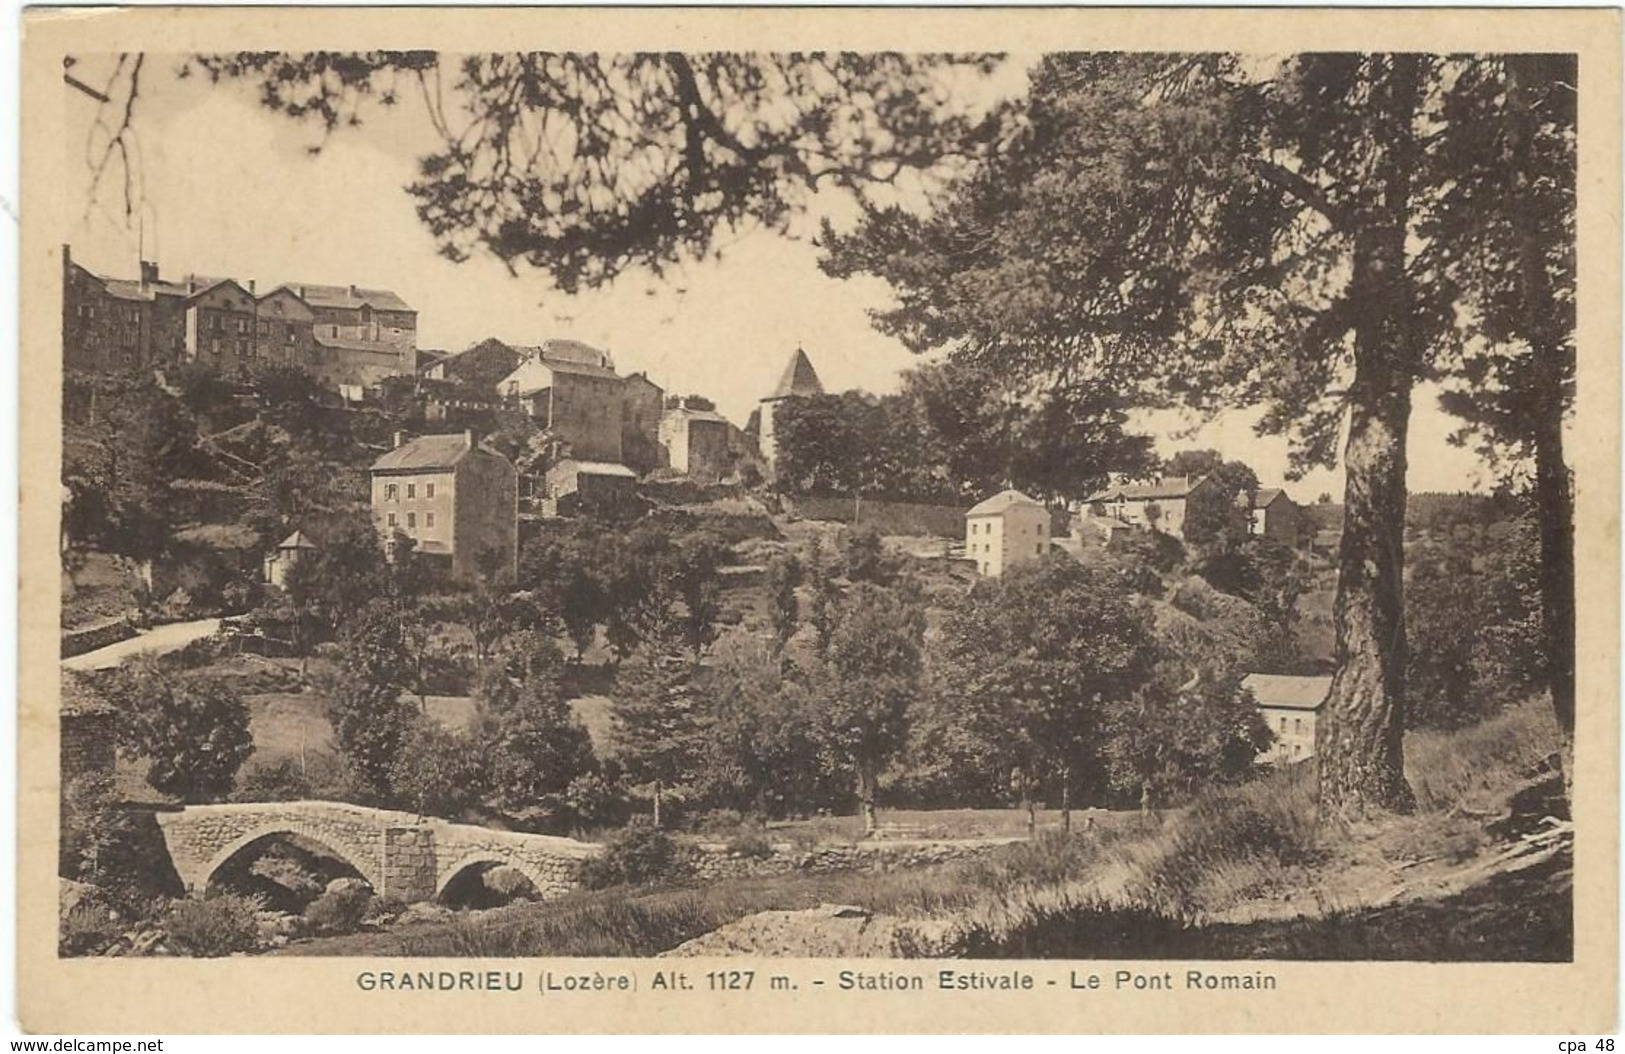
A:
(158, 640)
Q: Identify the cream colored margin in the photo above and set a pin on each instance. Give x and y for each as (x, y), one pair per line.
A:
(304, 995)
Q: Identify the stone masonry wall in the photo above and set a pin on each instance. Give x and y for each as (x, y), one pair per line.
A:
(399, 854)
(714, 861)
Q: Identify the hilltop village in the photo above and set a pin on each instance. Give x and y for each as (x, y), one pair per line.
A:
(313, 569)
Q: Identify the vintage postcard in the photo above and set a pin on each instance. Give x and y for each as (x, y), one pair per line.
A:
(1064, 520)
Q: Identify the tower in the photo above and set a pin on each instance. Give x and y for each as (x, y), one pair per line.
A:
(799, 380)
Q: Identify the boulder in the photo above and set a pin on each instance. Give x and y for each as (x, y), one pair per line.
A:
(344, 885)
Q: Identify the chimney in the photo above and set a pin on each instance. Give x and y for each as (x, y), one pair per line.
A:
(250, 287)
(400, 437)
(301, 290)
(149, 272)
(468, 434)
(355, 294)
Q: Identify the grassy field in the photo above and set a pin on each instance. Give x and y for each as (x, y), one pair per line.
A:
(1246, 874)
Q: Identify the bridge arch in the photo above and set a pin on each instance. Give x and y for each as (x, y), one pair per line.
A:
(366, 863)
(495, 859)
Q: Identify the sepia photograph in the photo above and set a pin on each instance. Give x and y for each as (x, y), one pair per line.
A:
(1068, 504)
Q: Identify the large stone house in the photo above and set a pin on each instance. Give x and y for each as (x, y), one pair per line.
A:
(457, 500)
(1290, 707)
(573, 390)
(1005, 531)
(601, 487)
(642, 404)
(1158, 505)
(798, 381)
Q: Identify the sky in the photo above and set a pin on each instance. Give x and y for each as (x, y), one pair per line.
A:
(230, 189)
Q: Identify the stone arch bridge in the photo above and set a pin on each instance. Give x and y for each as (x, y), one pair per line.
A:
(401, 855)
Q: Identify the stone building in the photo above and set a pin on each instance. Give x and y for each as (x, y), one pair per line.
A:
(1290, 707)
(292, 549)
(222, 326)
(642, 404)
(1005, 531)
(1275, 515)
(285, 328)
(695, 439)
(572, 390)
(1159, 505)
(575, 486)
(798, 381)
(344, 335)
(457, 500)
(116, 323)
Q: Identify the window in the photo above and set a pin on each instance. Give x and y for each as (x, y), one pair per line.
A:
(411, 519)
(242, 325)
(391, 519)
(428, 519)
(391, 491)
(1297, 725)
(1039, 549)
(428, 492)
(411, 490)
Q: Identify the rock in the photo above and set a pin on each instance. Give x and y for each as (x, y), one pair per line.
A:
(844, 911)
(424, 911)
(145, 942)
(342, 885)
(71, 894)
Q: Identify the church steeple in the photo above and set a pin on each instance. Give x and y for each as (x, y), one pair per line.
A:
(799, 378)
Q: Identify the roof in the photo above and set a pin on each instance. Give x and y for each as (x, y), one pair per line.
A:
(346, 296)
(135, 289)
(80, 697)
(1164, 488)
(799, 378)
(297, 540)
(563, 349)
(697, 415)
(594, 468)
(426, 452)
(1287, 692)
(580, 369)
(341, 344)
(998, 503)
(1263, 497)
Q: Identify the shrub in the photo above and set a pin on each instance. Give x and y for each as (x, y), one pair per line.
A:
(87, 928)
(281, 781)
(340, 910)
(213, 926)
(752, 844)
(637, 855)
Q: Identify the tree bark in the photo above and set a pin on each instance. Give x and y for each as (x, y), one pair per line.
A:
(1360, 739)
(1546, 327)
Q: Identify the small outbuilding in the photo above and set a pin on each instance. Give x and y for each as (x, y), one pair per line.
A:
(1005, 531)
(590, 486)
(288, 553)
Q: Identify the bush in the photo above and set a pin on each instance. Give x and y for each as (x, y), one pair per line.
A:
(340, 910)
(87, 928)
(750, 844)
(638, 855)
(281, 781)
(212, 926)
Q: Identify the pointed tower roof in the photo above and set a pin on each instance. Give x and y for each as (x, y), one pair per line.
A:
(297, 540)
(799, 378)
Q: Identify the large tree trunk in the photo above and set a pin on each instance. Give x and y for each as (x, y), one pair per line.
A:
(1546, 326)
(1360, 738)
